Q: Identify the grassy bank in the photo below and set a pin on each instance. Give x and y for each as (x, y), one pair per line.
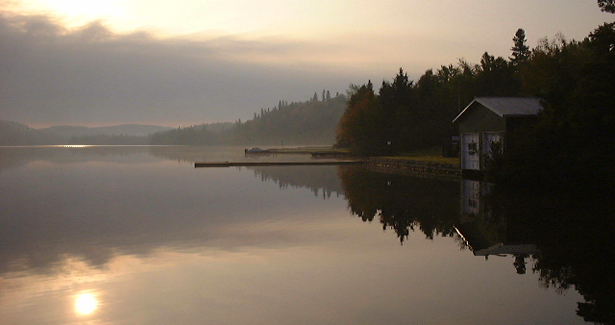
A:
(430, 155)
(433, 155)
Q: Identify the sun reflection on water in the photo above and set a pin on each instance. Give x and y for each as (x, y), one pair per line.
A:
(86, 303)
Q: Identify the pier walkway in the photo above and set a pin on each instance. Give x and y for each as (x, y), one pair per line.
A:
(275, 163)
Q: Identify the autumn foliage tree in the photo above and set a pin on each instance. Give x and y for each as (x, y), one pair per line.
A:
(359, 123)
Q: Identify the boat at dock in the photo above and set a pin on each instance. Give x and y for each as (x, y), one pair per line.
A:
(256, 150)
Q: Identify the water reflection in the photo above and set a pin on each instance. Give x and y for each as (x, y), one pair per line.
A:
(96, 203)
(563, 236)
(141, 235)
(487, 234)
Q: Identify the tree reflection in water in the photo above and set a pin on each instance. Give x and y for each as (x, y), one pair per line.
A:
(402, 203)
(570, 228)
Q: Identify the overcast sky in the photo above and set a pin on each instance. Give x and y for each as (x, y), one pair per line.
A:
(185, 62)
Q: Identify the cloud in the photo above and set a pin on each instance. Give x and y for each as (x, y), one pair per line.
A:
(90, 75)
(51, 74)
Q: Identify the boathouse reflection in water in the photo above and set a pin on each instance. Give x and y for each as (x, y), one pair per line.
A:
(487, 234)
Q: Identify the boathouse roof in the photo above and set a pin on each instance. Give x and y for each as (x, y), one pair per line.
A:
(506, 106)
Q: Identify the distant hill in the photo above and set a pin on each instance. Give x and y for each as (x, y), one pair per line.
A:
(298, 123)
(312, 122)
(17, 134)
(13, 133)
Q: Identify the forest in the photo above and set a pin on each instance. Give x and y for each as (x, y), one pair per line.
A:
(572, 140)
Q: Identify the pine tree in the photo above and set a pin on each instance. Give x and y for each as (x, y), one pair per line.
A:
(521, 52)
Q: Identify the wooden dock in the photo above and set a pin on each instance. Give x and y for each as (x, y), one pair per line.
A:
(275, 163)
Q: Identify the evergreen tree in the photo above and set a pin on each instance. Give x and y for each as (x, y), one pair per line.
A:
(399, 113)
(520, 50)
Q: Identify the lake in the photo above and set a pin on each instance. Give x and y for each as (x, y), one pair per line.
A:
(137, 235)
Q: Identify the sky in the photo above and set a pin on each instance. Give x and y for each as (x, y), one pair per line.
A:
(187, 62)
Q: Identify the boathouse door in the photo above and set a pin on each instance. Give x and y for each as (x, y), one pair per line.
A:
(491, 142)
(470, 157)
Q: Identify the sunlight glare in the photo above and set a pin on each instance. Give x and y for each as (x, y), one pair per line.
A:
(85, 303)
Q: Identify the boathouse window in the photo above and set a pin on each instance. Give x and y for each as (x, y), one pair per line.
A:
(472, 148)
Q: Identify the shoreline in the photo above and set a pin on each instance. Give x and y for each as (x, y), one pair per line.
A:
(413, 167)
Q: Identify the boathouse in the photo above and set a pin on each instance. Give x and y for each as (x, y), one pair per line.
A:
(489, 120)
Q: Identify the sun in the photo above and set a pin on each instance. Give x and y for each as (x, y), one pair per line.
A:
(80, 9)
(85, 303)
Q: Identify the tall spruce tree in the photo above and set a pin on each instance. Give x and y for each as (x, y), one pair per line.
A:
(520, 50)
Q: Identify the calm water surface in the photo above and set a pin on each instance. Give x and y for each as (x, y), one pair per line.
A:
(136, 235)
